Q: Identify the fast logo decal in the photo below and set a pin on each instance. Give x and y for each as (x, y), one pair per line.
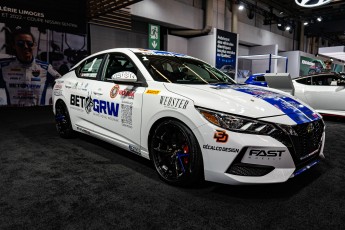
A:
(292, 108)
(221, 136)
(265, 154)
(268, 153)
(98, 106)
(175, 103)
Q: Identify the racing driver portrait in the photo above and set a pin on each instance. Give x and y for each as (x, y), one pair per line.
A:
(25, 80)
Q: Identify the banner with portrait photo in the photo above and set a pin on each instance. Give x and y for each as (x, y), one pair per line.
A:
(59, 30)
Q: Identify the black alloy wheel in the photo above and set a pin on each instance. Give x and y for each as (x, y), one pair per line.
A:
(176, 154)
(63, 120)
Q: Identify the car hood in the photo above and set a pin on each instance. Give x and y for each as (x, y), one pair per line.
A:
(245, 100)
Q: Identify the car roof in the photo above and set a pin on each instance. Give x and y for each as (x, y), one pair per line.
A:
(139, 50)
(312, 75)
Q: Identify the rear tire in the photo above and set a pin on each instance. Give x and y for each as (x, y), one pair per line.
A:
(176, 154)
(63, 121)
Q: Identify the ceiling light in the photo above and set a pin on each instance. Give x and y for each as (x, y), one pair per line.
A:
(310, 4)
(240, 7)
(305, 23)
(319, 19)
(280, 26)
(287, 28)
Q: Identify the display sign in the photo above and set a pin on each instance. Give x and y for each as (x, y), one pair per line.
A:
(50, 37)
(226, 52)
(314, 66)
(154, 37)
(312, 3)
(62, 15)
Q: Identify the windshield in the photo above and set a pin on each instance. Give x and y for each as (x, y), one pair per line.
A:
(182, 70)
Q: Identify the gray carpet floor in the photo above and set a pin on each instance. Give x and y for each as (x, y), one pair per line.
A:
(51, 183)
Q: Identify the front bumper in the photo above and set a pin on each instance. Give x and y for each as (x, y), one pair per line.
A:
(256, 159)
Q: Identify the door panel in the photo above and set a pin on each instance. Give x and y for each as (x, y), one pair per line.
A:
(326, 97)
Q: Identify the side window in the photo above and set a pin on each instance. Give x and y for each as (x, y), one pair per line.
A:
(118, 63)
(260, 78)
(323, 80)
(90, 67)
(305, 81)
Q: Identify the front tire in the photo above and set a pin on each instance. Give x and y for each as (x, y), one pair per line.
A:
(176, 154)
(63, 121)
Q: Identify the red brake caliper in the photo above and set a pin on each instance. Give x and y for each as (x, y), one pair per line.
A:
(185, 151)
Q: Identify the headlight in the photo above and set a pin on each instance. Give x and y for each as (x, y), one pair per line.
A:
(236, 123)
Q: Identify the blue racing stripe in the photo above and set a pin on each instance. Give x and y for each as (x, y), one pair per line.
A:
(292, 108)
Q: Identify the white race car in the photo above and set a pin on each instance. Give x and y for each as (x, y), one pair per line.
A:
(193, 121)
(324, 92)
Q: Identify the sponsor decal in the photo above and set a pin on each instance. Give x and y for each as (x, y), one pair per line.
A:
(221, 136)
(83, 130)
(14, 78)
(114, 91)
(165, 53)
(129, 94)
(16, 74)
(123, 75)
(36, 72)
(24, 86)
(35, 79)
(220, 148)
(16, 70)
(292, 108)
(265, 153)
(311, 3)
(88, 104)
(91, 75)
(75, 85)
(57, 93)
(134, 149)
(106, 107)
(176, 103)
(152, 91)
(95, 105)
(126, 115)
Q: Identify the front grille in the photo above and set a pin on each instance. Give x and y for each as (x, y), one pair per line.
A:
(305, 142)
(308, 139)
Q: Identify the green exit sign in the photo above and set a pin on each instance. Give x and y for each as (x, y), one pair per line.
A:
(154, 37)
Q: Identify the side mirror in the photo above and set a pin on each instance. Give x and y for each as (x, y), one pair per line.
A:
(124, 76)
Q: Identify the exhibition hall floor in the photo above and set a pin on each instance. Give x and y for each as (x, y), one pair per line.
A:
(52, 183)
